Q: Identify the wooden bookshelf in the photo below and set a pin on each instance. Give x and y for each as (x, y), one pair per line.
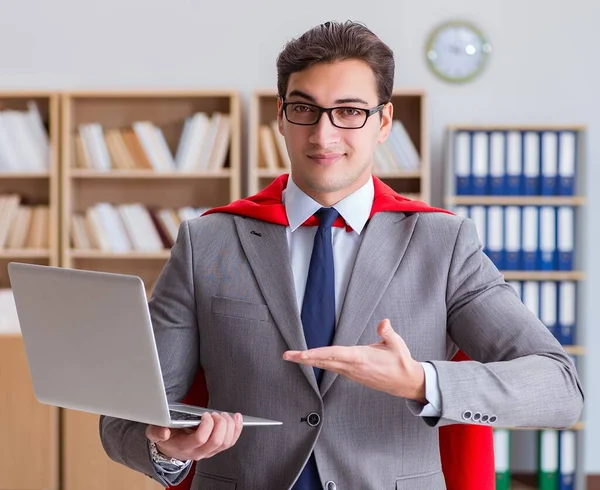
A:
(85, 464)
(461, 203)
(409, 107)
(30, 430)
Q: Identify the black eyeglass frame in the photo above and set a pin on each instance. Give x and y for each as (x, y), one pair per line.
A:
(329, 110)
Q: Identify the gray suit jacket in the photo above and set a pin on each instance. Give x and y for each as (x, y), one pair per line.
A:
(225, 301)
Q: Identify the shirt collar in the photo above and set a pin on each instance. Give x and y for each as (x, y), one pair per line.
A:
(355, 208)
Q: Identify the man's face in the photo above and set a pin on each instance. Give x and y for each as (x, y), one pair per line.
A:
(329, 163)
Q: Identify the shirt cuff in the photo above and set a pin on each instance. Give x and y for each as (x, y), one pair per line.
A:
(432, 393)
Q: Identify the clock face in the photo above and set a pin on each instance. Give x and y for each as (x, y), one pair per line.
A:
(457, 51)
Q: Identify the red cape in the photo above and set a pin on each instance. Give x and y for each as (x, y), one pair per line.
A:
(466, 451)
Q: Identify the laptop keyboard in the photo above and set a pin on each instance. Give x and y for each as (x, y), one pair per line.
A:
(183, 416)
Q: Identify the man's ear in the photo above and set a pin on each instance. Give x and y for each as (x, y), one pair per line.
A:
(385, 126)
(280, 114)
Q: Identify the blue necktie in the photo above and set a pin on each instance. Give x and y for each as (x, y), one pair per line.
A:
(318, 315)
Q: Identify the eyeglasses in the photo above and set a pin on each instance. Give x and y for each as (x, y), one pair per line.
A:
(305, 114)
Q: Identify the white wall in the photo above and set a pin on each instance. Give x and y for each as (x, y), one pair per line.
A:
(544, 69)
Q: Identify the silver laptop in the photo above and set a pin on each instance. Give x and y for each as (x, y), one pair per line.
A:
(90, 345)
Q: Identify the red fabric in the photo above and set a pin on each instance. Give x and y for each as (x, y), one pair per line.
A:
(466, 451)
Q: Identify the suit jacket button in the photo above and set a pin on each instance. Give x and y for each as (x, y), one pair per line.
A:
(330, 485)
(313, 419)
(467, 414)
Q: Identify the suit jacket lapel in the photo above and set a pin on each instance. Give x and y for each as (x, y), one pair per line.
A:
(266, 248)
(385, 241)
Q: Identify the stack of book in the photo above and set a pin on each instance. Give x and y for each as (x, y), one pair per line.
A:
(23, 226)
(24, 145)
(202, 147)
(128, 227)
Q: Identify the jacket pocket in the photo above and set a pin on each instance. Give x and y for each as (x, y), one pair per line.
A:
(423, 481)
(204, 481)
(238, 308)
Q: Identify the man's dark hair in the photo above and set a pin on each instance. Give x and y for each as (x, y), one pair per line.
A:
(338, 41)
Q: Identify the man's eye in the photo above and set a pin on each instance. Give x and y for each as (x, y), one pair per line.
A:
(302, 108)
(349, 112)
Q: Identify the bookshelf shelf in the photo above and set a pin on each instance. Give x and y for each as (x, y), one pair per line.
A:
(30, 430)
(24, 175)
(24, 254)
(133, 179)
(99, 255)
(516, 127)
(543, 275)
(409, 108)
(579, 426)
(147, 174)
(575, 350)
(516, 200)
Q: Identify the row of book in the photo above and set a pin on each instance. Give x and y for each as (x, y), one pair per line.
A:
(515, 162)
(557, 459)
(396, 154)
(24, 142)
(121, 228)
(554, 303)
(23, 226)
(525, 237)
(203, 146)
(273, 152)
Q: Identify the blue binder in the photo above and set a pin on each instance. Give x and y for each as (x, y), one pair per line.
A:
(479, 163)
(547, 259)
(530, 232)
(567, 447)
(512, 237)
(567, 162)
(497, 159)
(565, 237)
(567, 312)
(549, 163)
(531, 162)
(462, 165)
(514, 163)
(495, 235)
(549, 307)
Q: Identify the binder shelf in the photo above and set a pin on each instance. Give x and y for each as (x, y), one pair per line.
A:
(523, 186)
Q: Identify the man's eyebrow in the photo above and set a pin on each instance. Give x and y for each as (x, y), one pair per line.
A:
(347, 100)
(350, 100)
(304, 95)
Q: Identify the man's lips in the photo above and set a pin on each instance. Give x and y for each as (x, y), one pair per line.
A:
(325, 157)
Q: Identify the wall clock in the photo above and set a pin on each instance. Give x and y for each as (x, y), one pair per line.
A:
(457, 51)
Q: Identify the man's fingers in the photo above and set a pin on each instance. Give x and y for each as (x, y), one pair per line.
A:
(158, 434)
(215, 441)
(239, 425)
(230, 432)
(204, 430)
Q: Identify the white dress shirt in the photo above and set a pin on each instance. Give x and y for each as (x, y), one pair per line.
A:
(355, 210)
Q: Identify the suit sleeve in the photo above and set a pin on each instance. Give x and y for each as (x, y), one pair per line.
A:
(173, 313)
(520, 375)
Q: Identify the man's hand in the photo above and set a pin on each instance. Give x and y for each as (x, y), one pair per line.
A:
(216, 433)
(386, 366)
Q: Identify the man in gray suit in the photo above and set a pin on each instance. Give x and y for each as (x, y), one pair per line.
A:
(407, 289)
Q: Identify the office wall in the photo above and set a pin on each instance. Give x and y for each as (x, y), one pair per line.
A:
(544, 69)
